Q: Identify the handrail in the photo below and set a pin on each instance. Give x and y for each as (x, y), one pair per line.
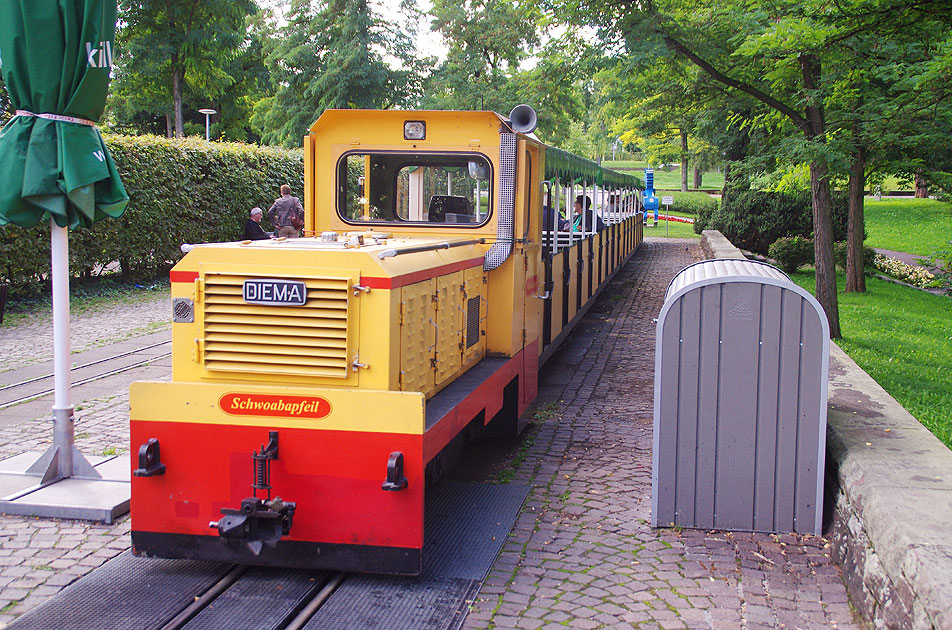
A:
(390, 253)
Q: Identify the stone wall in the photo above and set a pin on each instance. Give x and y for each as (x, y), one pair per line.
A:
(889, 486)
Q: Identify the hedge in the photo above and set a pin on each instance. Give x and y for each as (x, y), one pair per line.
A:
(753, 220)
(180, 191)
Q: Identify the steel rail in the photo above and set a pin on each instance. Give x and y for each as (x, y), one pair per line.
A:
(308, 611)
(203, 600)
(85, 365)
(90, 379)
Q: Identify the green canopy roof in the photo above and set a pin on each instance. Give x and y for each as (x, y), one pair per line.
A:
(56, 57)
(570, 167)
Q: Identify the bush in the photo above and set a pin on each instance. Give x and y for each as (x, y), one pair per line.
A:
(839, 256)
(753, 220)
(791, 252)
(180, 191)
(692, 202)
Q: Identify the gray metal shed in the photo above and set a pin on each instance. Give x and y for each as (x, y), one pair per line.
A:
(741, 362)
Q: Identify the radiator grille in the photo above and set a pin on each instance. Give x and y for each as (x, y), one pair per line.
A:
(308, 340)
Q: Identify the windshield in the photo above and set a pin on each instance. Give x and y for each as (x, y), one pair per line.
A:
(452, 188)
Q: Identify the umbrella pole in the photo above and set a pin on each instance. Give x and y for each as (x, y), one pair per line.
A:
(62, 460)
(63, 422)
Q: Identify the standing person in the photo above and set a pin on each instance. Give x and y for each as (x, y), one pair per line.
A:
(285, 213)
(253, 229)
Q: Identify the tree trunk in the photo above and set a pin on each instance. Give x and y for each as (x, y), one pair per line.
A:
(814, 126)
(922, 189)
(698, 176)
(727, 179)
(855, 279)
(823, 245)
(684, 161)
(177, 76)
(168, 125)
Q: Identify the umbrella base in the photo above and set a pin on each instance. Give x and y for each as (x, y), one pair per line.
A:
(50, 466)
(102, 496)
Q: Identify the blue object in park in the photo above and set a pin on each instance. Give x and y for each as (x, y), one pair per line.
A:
(651, 200)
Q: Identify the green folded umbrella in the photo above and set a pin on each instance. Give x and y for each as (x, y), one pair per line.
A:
(56, 57)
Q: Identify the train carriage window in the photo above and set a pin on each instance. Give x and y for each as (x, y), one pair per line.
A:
(428, 188)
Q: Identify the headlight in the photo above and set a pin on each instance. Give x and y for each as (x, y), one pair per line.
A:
(414, 130)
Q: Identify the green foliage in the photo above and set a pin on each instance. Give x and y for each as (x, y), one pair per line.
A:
(840, 254)
(335, 54)
(486, 40)
(6, 107)
(753, 219)
(791, 252)
(902, 337)
(180, 191)
(172, 52)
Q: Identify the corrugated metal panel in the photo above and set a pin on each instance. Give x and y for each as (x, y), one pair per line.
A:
(449, 326)
(722, 268)
(740, 401)
(307, 340)
(417, 336)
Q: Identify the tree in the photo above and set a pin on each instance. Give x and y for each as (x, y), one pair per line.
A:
(170, 48)
(781, 54)
(334, 54)
(486, 41)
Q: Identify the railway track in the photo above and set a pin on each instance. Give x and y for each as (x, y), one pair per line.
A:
(36, 387)
(303, 595)
(467, 525)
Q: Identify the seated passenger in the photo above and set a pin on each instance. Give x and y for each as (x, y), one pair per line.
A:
(253, 229)
(551, 220)
(593, 222)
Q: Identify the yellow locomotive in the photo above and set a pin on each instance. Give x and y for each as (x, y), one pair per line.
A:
(317, 380)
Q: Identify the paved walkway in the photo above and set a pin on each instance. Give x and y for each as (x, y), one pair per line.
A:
(581, 554)
(38, 557)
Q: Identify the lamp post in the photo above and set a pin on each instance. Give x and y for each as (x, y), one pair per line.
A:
(207, 112)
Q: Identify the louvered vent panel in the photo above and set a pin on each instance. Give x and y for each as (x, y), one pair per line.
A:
(308, 340)
(472, 322)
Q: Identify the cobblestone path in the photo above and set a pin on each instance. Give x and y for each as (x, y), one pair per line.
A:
(582, 554)
(39, 557)
(32, 341)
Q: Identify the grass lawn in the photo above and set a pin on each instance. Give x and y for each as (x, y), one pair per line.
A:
(915, 226)
(902, 337)
(675, 229)
(669, 180)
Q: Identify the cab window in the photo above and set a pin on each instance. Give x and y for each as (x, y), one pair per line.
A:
(446, 189)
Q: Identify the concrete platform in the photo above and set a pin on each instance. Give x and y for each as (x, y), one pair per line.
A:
(102, 500)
